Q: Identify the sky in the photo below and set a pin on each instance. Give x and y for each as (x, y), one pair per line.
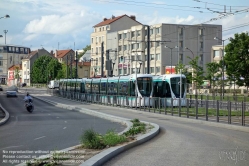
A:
(68, 24)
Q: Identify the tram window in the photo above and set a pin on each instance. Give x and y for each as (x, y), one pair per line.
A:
(103, 87)
(82, 88)
(132, 88)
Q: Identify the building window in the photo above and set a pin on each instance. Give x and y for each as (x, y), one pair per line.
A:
(100, 50)
(151, 31)
(152, 69)
(103, 28)
(119, 36)
(180, 31)
(125, 47)
(100, 39)
(158, 70)
(139, 57)
(96, 40)
(132, 46)
(145, 69)
(201, 57)
(157, 30)
(97, 50)
(133, 70)
(216, 53)
(125, 71)
(151, 44)
(180, 44)
(138, 45)
(17, 49)
(145, 56)
(92, 40)
(133, 34)
(119, 48)
(152, 57)
(125, 35)
(158, 57)
(120, 71)
(10, 48)
(132, 58)
(181, 58)
(201, 32)
(201, 45)
(138, 33)
(157, 44)
(100, 29)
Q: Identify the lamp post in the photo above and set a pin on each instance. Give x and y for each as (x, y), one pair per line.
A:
(140, 64)
(193, 87)
(113, 63)
(6, 16)
(222, 58)
(171, 48)
(5, 31)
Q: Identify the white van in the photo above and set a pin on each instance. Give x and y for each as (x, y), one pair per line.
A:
(53, 84)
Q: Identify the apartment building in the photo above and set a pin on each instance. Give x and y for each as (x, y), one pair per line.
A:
(169, 45)
(99, 36)
(10, 55)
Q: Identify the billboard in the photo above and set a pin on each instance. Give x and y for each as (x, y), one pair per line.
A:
(11, 75)
(168, 70)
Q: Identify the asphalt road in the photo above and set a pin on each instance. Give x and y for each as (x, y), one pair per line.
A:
(48, 128)
(180, 142)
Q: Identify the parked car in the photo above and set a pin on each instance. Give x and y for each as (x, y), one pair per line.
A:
(1, 88)
(24, 84)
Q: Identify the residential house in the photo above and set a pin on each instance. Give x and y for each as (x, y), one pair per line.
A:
(15, 75)
(28, 61)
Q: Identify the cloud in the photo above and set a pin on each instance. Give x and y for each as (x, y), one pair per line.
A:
(30, 37)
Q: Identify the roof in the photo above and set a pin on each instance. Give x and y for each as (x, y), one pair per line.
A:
(31, 54)
(61, 53)
(113, 19)
(13, 67)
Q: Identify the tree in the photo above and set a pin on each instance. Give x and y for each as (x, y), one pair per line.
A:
(53, 69)
(17, 74)
(182, 67)
(237, 59)
(213, 72)
(40, 72)
(88, 47)
(197, 76)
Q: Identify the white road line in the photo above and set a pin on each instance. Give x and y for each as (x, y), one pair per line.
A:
(49, 114)
(64, 127)
(39, 137)
(57, 117)
(11, 147)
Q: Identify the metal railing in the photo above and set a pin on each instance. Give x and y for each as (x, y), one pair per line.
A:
(231, 112)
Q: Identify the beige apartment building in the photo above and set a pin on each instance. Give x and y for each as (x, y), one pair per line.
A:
(99, 35)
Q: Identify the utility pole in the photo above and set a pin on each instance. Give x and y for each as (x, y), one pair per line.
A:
(76, 71)
(102, 59)
(5, 31)
(148, 49)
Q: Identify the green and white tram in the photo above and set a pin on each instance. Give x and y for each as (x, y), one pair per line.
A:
(121, 90)
(171, 89)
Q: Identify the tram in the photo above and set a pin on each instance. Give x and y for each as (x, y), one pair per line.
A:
(132, 90)
(171, 89)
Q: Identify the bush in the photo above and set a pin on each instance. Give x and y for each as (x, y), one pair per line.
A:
(111, 138)
(138, 127)
(92, 140)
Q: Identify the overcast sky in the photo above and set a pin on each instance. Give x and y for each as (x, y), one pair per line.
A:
(45, 23)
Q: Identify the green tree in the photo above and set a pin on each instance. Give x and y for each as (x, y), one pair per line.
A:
(17, 74)
(88, 47)
(213, 72)
(197, 76)
(237, 59)
(53, 69)
(40, 70)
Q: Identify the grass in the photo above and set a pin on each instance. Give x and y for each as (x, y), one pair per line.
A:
(238, 98)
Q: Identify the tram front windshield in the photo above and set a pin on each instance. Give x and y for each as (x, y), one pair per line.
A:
(144, 86)
(175, 86)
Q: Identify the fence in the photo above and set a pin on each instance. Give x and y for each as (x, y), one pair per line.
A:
(231, 112)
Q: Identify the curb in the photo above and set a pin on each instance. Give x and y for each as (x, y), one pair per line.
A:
(109, 153)
(7, 115)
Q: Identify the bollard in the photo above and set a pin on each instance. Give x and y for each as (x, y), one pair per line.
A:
(165, 106)
(217, 112)
(196, 108)
(206, 109)
(229, 112)
(187, 108)
(172, 107)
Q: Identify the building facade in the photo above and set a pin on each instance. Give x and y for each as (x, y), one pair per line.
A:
(99, 36)
(10, 55)
(169, 45)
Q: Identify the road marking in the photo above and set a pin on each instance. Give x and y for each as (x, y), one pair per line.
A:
(64, 127)
(49, 114)
(11, 147)
(65, 121)
(39, 138)
(57, 117)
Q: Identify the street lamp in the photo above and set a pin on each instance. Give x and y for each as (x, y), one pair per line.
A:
(113, 63)
(171, 56)
(140, 64)
(5, 31)
(222, 58)
(6, 16)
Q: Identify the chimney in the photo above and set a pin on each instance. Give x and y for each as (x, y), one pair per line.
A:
(113, 16)
(133, 17)
(55, 55)
(52, 52)
(104, 19)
